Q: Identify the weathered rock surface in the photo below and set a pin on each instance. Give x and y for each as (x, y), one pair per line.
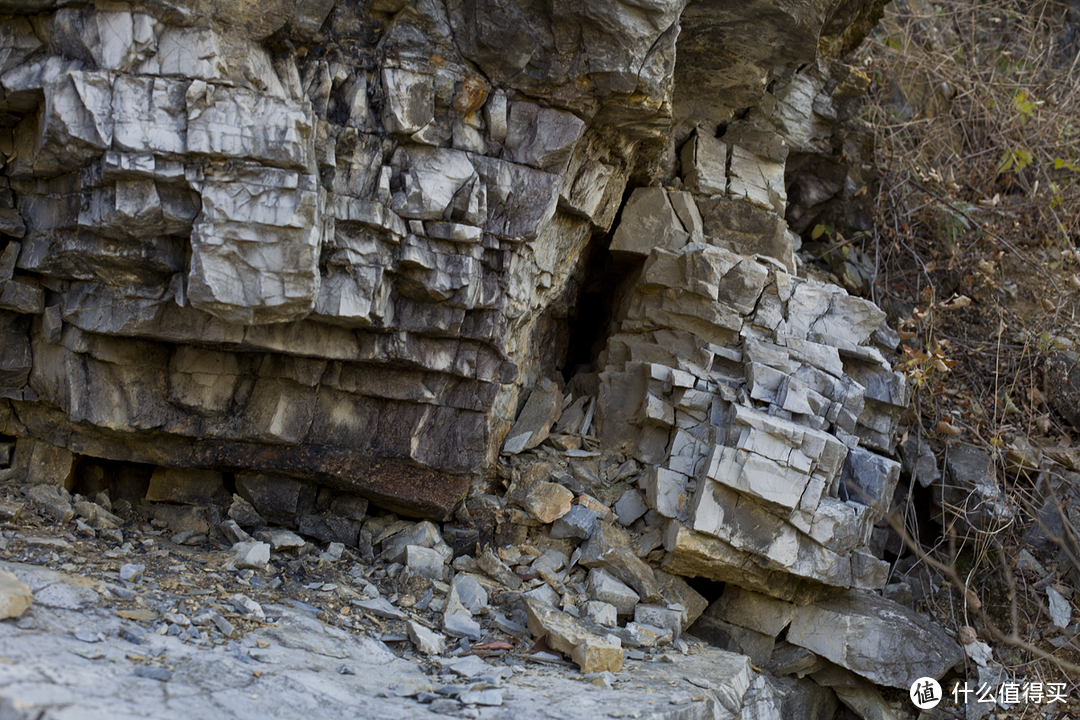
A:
(343, 265)
(860, 629)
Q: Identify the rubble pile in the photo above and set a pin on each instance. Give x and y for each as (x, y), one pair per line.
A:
(483, 623)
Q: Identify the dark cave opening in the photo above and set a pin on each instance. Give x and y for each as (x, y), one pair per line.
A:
(605, 280)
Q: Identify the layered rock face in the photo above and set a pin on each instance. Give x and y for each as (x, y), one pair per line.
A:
(325, 253)
(334, 241)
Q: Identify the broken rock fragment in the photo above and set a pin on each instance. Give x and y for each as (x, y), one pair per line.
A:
(540, 413)
(564, 633)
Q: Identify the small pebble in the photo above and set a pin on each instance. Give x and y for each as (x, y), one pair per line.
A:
(87, 636)
(132, 573)
(153, 672)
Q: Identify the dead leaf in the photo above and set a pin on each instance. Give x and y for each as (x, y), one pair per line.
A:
(967, 635)
(945, 428)
(1035, 395)
(973, 600)
(1047, 305)
(955, 302)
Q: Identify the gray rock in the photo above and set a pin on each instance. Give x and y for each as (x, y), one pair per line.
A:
(423, 534)
(489, 698)
(630, 506)
(752, 610)
(497, 569)
(578, 523)
(970, 491)
(53, 501)
(279, 538)
(604, 587)
(878, 639)
(250, 555)
(609, 548)
(330, 528)
(153, 672)
(469, 593)
(460, 624)
(536, 418)
(380, 607)
(132, 573)
(233, 532)
(424, 562)
(734, 638)
(648, 221)
(666, 618)
(187, 487)
(247, 607)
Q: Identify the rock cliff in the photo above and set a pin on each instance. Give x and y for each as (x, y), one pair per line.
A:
(335, 241)
(529, 265)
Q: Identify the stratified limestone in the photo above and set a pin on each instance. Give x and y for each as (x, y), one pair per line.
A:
(242, 238)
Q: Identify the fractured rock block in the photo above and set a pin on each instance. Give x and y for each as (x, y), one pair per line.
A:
(704, 164)
(410, 105)
(876, 638)
(541, 137)
(870, 479)
(603, 587)
(279, 500)
(610, 549)
(749, 609)
(648, 221)
(547, 502)
(591, 652)
(734, 638)
(255, 246)
(44, 463)
(15, 596)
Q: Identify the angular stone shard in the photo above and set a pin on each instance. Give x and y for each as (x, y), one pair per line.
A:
(876, 638)
(541, 411)
(704, 164)
(610, 548)
(547, 502)
(541, 137)
(604, 587)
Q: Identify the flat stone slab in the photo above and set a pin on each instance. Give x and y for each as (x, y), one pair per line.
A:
(876, 638)
(296, 663)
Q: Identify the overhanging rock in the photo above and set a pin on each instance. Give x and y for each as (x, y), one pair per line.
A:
(335, 242)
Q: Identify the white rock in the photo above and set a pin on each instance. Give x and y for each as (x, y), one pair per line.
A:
(250, 555)
(247, 607)
(1060, 610)
(426, 641)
